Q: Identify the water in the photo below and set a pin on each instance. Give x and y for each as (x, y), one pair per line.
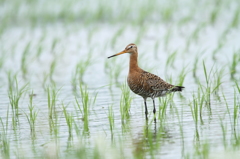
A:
(66, 45)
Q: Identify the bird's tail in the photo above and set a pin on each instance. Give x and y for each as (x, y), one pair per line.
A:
(177, 88)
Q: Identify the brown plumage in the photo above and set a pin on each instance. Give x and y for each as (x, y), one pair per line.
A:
(144, 83)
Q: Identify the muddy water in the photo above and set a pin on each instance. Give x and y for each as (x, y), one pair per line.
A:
(74, 44)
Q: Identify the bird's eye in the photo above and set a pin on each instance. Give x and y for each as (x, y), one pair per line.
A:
(130, 47)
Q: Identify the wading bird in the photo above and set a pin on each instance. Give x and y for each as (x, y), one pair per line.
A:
(144, 83)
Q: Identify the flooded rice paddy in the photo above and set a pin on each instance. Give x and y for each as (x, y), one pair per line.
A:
(61, 97)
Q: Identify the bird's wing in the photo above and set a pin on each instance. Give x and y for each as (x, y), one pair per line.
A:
(156, 83)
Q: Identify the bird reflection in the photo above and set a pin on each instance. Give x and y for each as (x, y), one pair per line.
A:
(150, 138)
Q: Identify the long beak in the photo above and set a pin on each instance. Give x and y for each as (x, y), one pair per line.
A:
(123, 52)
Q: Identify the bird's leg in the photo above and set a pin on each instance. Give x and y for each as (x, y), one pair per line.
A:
(146, 111)
(154, 110)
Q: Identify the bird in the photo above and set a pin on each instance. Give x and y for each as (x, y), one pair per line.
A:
(143, 83)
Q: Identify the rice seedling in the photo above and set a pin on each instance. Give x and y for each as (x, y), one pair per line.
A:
(54, 127)
(142, 30)
(151, 144)
(86, 102)
(40, 47)
(167, 12)
(171, 59)
(196, 106)
(188, 43)
(218, 76)
(117, 72)
(167, 38)
(24, 59)
(202, 150)
(235, 20)
(80, 70)
(182, 76)
(84, 99)
(199, 100)
(114, 71)
(238, 87)
(194, 110)
(220, 45)
(227, 109)
(39, 51)
(42, 38)
(207, 90)
(215, 12)
(168, 78)
(44, 82)
(224, 34)
(91, 33)
(70, 143)
(236, 140)
(234, 63)
(52, 70)
(54, 43)
(197, 31)
(117, 35)
(97, 153)
(111, 120)
(180, 123)
(2, 58)
(4, 141)
(233, 118)
(109, 71)
(145, 11)
(125, 127)
(224, 132)
(125, 102)
(3, 26)
(163, 103)
(194, 36)
(52, 94)
(235, 111)
(187, 18)
(195, 64)
(69, 119)
(77, 128)
(32, 114)
(107, 67)
(81, 151)
(14, 94)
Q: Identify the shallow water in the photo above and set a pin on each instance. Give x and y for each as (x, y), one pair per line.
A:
(175, 136)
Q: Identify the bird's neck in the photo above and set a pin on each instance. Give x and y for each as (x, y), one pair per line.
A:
(133, 64)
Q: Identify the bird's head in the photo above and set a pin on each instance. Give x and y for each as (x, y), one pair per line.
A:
(130, 48)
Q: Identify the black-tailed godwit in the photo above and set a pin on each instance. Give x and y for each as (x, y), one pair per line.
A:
(144, 83)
